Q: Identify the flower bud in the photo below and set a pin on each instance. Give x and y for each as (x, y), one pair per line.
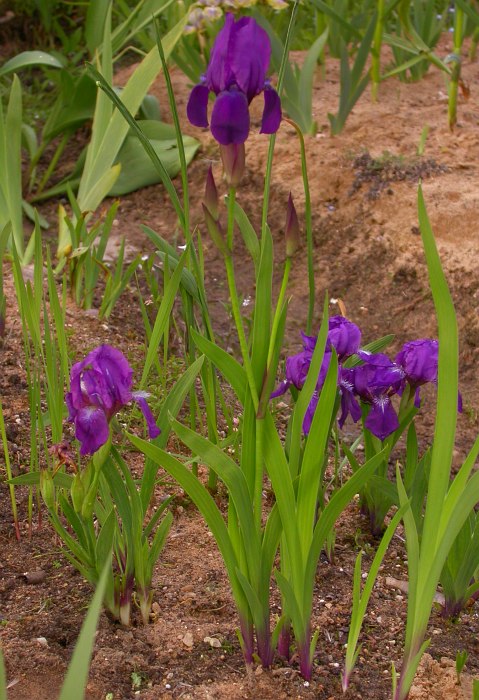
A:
(214, 229)
(233, 157)
(291, 229)
(77, 493)
(47, 489)
(211, 200)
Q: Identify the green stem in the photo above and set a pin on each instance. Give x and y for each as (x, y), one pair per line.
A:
(309, 226)
(235, 307)
(278, 310)
(456, 67)
(9, 472)
(376, 51)
(240, 329)
(53, 163)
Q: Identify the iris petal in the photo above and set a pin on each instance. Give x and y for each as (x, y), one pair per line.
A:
(271, 113)
(281, 389)
(116, 373)
(91, 429)
(218, 74)
(153, 429)
(382, 419)
(249, 54)
(197, 107)
(230, 118)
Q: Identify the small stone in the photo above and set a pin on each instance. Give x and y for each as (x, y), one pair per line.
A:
(258, 671)
(188, 640)
(42, 641)
(34, 577)
(213, 642)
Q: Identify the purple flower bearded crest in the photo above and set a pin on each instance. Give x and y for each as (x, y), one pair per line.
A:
(236, 74)
(100, 385)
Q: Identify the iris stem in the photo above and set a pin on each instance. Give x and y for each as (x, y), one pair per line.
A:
(277, 313)
(235, 307)
(309, 225)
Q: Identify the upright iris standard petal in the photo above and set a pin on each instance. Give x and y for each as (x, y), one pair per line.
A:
(218, 73)
(248, 56)
(272, 112)
(95, 389)
(344, 336)
(117, 372)
(197, 107)
(230, 118)
(419, 359)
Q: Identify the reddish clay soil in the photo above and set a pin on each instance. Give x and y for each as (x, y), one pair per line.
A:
(368, 254)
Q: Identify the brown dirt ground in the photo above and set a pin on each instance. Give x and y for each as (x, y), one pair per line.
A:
(368, 254)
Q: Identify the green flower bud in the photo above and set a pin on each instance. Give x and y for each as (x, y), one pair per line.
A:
(214, 229)
(77, 493)
(211, 200)
(47, 489)
(90, 498)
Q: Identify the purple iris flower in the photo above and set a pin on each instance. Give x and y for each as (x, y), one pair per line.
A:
(236, 74)
(100, 386)
(345, 337)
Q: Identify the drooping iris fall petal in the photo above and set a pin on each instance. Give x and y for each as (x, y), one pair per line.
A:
(272, 112)
(197, 107)
(230, 118)
(382, 419)
(140, 398)
(91, 429)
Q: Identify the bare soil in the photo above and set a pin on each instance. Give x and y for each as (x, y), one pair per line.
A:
(368, 254)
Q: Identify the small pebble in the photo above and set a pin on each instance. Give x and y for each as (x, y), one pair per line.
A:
(213, 642)
(188, 640)
(34, 577)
